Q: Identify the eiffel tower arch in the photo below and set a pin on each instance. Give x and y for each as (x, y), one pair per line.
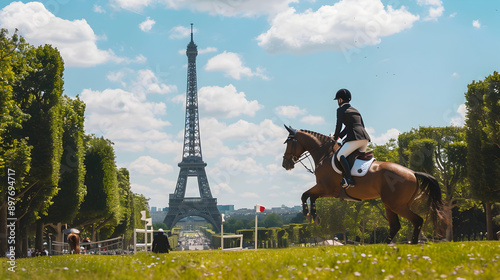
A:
(192, 164)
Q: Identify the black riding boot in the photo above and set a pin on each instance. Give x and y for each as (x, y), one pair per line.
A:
(347, 181)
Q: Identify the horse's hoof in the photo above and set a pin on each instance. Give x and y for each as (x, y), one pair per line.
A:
(317, 220)
(309, 218)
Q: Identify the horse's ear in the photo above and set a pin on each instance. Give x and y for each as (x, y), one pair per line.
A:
(290, 130)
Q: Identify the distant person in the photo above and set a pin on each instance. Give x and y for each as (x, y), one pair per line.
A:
(160, 243)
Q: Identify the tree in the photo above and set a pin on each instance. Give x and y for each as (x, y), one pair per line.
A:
(72, 176)
(482, 136)
(38, 92)
(298, 219)
(140, 204)
(441, 152)
(232, 225)
(387, 152)
(332, 214)
(15, 153)
(273, 220)
(101, 205)
(126, 204)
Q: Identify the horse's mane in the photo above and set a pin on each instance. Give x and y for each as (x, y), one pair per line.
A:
(321, 137)
(326, 146)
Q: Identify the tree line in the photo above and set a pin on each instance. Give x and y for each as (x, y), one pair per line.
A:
(53, 173)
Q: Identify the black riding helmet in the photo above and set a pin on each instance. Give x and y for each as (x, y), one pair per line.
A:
(344, 94)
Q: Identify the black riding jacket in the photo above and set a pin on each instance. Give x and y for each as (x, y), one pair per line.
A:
(354, 126)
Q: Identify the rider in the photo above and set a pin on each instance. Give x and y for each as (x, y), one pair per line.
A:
(357, 137)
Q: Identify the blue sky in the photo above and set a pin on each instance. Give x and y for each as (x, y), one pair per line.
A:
(261, 64)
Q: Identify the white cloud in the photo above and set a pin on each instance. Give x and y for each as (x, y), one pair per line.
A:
(164, 145)
(147, 24)
(436, 9)
(200, 51)
(313, 120)
(181, 32)
(116, 76)
(290, 111)
(123, 118)
(149, 166)
(435, 13)
(385, 137)
(249, 195)
(132, 5)
(165, 184)
(75, 39)
(143, 82)
(460, 119)
(476, 24)
(221, 188)
(250, 139)
(98, 9)
(157, 196)
(147, 82)
(231, 64)
(455, 74)
(245, 8)
(205, 50)
(345, 25)
(233, 166)
(226, 102)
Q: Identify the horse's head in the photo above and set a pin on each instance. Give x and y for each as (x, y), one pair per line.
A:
(293, 149)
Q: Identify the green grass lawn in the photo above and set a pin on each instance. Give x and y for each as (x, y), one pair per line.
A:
(467, 260)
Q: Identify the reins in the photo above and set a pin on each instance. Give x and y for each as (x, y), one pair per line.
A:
(306, 154)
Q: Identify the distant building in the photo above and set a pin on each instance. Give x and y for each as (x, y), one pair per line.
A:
(153, 209)
(225, 208)
(158, 216)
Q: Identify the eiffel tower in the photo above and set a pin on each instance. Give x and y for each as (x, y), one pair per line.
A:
(192, 164)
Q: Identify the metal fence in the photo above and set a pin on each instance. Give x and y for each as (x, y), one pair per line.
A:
(113, 246)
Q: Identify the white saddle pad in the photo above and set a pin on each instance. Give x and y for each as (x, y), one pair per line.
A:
(359, 168)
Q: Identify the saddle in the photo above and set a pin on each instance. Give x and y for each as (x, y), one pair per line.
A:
(359, 161)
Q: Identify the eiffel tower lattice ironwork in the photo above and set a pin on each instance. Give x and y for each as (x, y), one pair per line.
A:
(192, 164)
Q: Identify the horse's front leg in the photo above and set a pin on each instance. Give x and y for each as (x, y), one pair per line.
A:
(313, 209)
(312, 193)
(305, 208)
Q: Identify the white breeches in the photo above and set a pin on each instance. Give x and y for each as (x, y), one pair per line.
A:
(351, 146)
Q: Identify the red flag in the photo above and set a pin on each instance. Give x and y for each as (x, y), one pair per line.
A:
(259, 208)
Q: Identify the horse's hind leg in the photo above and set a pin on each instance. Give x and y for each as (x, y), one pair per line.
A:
(394, 225)
(416, 221)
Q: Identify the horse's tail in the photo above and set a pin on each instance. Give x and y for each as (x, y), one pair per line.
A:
(430, 187)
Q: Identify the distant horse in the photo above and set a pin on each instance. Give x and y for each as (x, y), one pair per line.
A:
(74, 243)
(397, 186)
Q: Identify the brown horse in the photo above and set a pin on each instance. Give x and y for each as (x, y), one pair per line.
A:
(397, 186)
(74, 243)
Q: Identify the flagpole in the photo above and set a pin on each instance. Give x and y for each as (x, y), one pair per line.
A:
(255, 231)
(222, 233)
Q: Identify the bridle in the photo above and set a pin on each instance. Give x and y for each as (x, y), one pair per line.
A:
(293, 158)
